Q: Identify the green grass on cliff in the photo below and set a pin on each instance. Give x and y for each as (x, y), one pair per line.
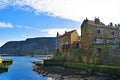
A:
(87, 67)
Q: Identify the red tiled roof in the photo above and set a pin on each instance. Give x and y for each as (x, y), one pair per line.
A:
(67, 33)
(60, 35)
(93, 22)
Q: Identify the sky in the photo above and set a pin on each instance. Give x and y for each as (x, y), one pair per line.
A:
(21, 19)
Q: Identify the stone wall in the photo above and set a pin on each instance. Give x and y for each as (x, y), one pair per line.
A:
(103, 53)
(98, 42)
(74, 55)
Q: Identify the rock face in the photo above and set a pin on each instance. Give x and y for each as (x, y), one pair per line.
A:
(43, 45)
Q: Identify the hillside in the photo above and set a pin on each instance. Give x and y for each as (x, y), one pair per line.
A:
(43, 45)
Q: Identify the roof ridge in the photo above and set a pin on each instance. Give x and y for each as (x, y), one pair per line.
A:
(68, 33)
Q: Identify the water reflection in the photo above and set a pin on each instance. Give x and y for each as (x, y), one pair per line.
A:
(22, 69)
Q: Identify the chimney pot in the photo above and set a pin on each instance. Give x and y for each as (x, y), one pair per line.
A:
(97, 21)
(111, 24)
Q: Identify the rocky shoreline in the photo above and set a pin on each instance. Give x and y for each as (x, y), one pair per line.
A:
(61, 73)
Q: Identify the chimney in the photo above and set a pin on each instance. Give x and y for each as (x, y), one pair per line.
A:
(111, 24)
(115, 25)
(85, 21)
(86, 18)
(119, 25)
(57, 34)
(97, 20)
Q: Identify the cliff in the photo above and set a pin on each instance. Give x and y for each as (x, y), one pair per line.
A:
(43, 45)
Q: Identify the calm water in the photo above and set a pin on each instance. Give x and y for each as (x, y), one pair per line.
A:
(22, 69)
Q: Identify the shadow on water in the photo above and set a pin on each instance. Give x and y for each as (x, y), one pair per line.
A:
(4, 65)
(2, 70)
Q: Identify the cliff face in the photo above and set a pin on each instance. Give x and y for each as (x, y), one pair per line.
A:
(43, 45)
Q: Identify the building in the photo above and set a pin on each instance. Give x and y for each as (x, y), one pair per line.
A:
(96, 38)
(67, 40)
(0, 59)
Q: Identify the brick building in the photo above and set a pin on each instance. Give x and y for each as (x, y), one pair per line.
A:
(67, 40)
(95, 38)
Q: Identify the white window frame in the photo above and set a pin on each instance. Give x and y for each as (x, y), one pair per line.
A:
(101, 31)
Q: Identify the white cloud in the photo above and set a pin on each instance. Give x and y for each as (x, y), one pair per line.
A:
(53, 32)
(5, 25)
(106, 10)
(3, 3)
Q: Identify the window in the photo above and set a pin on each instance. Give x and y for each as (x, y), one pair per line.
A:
(115, 40)
(105, 41)
(100, 31)
(97, 40)
(66, 42)
(113, 33)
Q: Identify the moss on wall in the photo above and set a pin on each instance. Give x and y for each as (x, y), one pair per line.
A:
(74, 55)
(103, 53)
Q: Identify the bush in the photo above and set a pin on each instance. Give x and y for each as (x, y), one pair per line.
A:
(53, 63)
(92, 68)
(74, 55)
(75, 65)
(114, 70)
(108, 69)
(60, 56)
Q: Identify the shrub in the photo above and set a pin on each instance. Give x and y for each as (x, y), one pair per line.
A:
(53, 63)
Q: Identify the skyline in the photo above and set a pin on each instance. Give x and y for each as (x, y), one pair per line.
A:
(21, 19)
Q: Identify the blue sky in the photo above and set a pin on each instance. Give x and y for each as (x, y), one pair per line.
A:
(21, 19)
